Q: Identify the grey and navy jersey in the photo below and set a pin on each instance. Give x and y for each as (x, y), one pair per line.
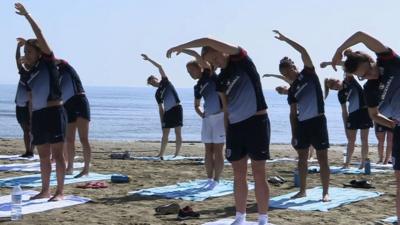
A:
(70, 82)
(206, 88)
(166, 94)
(384, 92)
(240, 82)
(352, 92)
(306, 92)
(22, 96)
(44, 82)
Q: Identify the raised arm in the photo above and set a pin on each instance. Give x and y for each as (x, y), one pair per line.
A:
(159, 67)
(21, 43)
(279, 77)
(44, 47)
(359, 37)
(202, 42)
(325, 64)
(304, 54)
(197, 56)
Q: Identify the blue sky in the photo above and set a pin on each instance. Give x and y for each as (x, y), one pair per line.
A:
(103, 39)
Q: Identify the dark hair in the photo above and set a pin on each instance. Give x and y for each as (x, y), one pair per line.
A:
(206, 49)
(193, 63)
(285, 63)
(354, 59)
(151, 77)
(34, 44)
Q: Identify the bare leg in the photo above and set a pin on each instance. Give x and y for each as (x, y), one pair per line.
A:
(57, 152)
(178, 142)
(311, 153)
(302, 166)
(45, 170)
(381, 143)
(389, 145)
(218, 160)
(322, 156)
(209, 160)
(240, 184)
(364, 147)
(27, 140)
(164, 141)
(351, 139)
(83, 130)
(70, 144)
(261, 186)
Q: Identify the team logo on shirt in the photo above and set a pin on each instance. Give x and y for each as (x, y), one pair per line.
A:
(203, 87)
(230, 84)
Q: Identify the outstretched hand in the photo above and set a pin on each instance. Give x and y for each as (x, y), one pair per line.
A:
(20, 9)
(145, 57)
(172, 50)
(279, 36)
(324, 64)
(337, 58)
(21, 42)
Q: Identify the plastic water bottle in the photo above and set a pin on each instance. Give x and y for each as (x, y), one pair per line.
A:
(16, 203)
(344, 155)
(296, 178)
(367, 167)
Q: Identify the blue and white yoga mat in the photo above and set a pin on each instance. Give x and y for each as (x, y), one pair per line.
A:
(229, 222)
(38, 205)
(192, 191)
(30, 167)
(351, 170)
(338, 197)
(17, 157)
(36, 181)
(392, 219)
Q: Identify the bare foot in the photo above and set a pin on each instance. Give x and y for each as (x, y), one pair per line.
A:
(345, 166)
(380, 162)
(84, 172)
(57, 197)
(325, 198)
(299, 195)
(41, 195)
(69, 171)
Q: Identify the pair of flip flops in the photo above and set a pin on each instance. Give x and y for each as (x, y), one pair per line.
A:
(276, 180)
(359, 184)
(93, 185)
(171, 208)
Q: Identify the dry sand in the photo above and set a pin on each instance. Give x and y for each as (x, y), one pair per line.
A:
(114, 206)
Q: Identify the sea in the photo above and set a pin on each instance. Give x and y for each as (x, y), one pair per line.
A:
(131, 114)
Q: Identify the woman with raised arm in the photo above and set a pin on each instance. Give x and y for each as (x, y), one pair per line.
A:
(48, 115)
(77, 107)
(307, 117)
(22, 101)
(170, 109)
(382, 90)
(246, 119)
(355, 115)
(212, 131)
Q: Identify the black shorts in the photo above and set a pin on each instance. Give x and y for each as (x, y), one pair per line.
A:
(381, 128)
(173, 117)
(359, 120)
(249, 137)
(77, 106)
(22, 114)
(48, 125)
(396, 148)
(313, 132)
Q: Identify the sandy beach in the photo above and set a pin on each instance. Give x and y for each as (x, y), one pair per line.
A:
(114, 206)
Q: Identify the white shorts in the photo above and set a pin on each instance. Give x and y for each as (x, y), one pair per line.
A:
(213, 129)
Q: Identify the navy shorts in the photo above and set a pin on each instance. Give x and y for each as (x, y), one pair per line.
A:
(381, 128)
(173, 117)
(359, 120)
(313, 132)
(22, 114)
(249, 137)
(396, 148)
(48, 125)
(77, 106)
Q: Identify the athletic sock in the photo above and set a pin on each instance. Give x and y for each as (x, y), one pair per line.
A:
(239, 219)
(262, 219)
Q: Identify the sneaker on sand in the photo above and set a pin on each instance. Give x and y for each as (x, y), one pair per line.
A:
(187, 213)
(172, 208)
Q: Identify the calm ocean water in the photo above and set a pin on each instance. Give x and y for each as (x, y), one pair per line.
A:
(127, 113)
